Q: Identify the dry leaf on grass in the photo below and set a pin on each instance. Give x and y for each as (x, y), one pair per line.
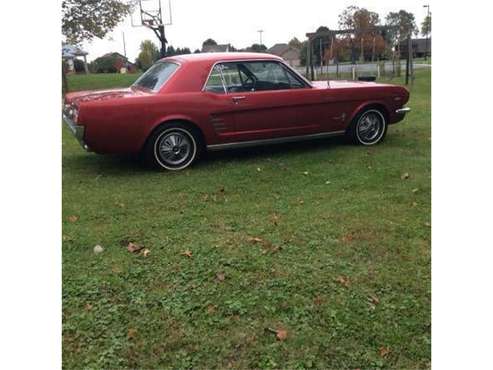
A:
(254, 239)
(98, 249)
(318, 300)
(146, 252)
(220, 276)
(132, 333)
(343, 280)
(88, 307)
(374, 299)
(405, 176)
(73, 218)
(187, 253)
(134, 248)
(415, 190)
(281, 334)
(384, 351)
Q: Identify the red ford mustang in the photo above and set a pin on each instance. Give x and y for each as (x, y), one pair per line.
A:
(187, 104)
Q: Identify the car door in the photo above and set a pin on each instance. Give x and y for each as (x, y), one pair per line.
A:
(265, 100)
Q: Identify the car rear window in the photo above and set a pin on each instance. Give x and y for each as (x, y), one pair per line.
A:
(156, 76)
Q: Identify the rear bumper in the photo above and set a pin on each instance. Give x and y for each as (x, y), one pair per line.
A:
(76, 130)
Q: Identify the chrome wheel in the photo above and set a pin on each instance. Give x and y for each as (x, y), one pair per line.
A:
(175, 149)
(370, 127)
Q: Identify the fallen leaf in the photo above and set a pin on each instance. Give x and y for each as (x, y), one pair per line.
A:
(146, 252)
(415, 204)
(281, 334)
(259, 169)
(427, 224)
(253, 239)
(317, 301)
(132, 333)
(306, 173)
(220, 276)
(275, 219)
(221, 190)
(347, 238)
(415, 190)
(327, 183)
(374, 299)
(134, 248)
(88, 307)
(404, 176)
(211, 309)
(73, 218)
(301, 201)
(187, 253)
(67, 238)
(384, 351)
(343, 280)
(98, 249)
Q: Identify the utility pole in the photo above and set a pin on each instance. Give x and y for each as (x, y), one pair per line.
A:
(428, 34)
(124, 46)
(260, 35)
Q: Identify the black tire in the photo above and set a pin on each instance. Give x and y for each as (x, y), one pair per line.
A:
(369, 127)
(173, 147)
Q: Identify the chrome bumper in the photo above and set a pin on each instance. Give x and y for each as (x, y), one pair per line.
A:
(403, 110)
(76, 130)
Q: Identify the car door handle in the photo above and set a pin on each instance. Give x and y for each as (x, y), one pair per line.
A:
(237, 99)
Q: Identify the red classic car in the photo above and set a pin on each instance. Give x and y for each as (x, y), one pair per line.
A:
(184, 105)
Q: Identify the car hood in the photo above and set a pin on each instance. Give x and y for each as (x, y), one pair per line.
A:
(75, 98)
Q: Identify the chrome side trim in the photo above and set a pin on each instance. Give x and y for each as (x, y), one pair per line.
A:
(76, 130)
(288, 139)
(403, 110)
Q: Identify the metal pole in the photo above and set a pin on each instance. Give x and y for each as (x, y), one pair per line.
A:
(124, 46)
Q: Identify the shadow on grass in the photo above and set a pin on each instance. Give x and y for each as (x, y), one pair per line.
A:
(124, 165)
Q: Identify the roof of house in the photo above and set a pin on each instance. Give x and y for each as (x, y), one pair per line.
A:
(279, 49)
(419, 45)
(216, 48)
(285, 51)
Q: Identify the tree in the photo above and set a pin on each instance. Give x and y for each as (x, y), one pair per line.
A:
(295, 43)
(426, 26)
(87, 19)
(209, 42)
(197, 51)
(402, 25)
(363, 25)
(257, 48)
(108, 63)
(149, 53)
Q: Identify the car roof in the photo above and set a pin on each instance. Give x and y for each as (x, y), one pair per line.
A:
(215, 57)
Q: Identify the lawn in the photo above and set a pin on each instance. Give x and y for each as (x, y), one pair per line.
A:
(326, 243)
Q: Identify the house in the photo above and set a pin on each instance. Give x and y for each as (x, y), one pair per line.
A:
(221, 48)
(70, 53)
(290, 54)
(420, 48)
(121, 62)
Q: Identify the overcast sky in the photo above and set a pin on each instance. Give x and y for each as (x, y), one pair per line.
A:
(237, 22)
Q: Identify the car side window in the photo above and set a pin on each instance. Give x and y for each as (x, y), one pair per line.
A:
(251, 76)
(215, 83)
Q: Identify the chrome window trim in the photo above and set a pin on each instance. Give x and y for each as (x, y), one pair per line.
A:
(253, 60)
(281, 140)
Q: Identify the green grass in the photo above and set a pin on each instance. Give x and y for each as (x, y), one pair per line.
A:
(338, 227)
(93, 81)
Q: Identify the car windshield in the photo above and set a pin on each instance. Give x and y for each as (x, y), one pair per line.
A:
(156, 76)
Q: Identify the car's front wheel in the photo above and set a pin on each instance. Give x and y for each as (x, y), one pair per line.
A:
(368, 127)
(172, 147)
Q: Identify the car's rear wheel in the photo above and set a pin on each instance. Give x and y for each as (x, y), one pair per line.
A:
(368, 128)
(173, 147)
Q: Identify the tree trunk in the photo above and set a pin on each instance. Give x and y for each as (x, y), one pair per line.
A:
(64, 79)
